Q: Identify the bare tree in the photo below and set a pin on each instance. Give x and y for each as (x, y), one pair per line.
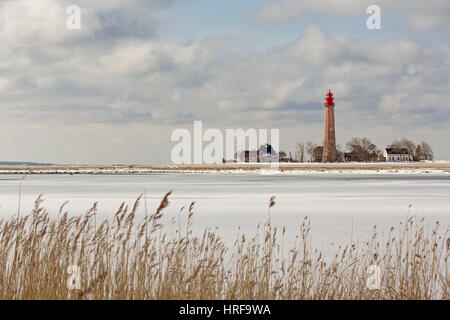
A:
(310, 146)
(340, 153)
(424, 151)
(363, 149)
(300, 152)
(283, 156)
(408, 144)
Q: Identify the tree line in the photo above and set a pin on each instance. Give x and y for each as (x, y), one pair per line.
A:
(360, 149)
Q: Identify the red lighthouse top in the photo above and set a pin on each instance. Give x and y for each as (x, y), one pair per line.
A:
(329, 100)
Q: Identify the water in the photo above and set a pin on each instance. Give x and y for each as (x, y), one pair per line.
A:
(340, 207)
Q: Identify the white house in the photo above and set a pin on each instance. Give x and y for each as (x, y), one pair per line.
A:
(397, 155)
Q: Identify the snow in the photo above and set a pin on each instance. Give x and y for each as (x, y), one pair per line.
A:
(238, 171)
(333, 201)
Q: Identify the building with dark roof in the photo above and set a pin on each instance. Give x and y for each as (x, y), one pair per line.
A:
(265, 153)
(397, 155)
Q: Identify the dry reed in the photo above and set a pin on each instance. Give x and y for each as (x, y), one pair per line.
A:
(126, 257)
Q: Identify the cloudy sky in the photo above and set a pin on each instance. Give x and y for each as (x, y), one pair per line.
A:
(113, 91)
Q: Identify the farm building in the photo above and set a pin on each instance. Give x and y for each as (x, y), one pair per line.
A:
(397, 155)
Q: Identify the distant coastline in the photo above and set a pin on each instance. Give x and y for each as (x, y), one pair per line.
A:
(25, 163)
(437, 167)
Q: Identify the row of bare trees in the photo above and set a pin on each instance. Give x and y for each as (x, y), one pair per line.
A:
(363, 149)
(421, 151)
(304, 151)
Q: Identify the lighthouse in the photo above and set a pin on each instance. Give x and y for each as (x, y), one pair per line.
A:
(329, 144)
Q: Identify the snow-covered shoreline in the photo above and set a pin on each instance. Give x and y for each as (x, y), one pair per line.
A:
(306, 168)
(262, 171)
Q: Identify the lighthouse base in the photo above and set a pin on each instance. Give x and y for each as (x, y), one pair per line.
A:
(329, 154)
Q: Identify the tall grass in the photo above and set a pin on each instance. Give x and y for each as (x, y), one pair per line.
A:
(130, 257)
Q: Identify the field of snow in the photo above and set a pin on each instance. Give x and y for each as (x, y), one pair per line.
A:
(340, 206)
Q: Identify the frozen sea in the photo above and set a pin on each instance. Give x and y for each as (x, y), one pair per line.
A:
(340, 207)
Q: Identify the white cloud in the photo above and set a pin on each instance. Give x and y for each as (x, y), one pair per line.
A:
(139, 79)
(4, 85)
(133, 83)
(42, 22)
